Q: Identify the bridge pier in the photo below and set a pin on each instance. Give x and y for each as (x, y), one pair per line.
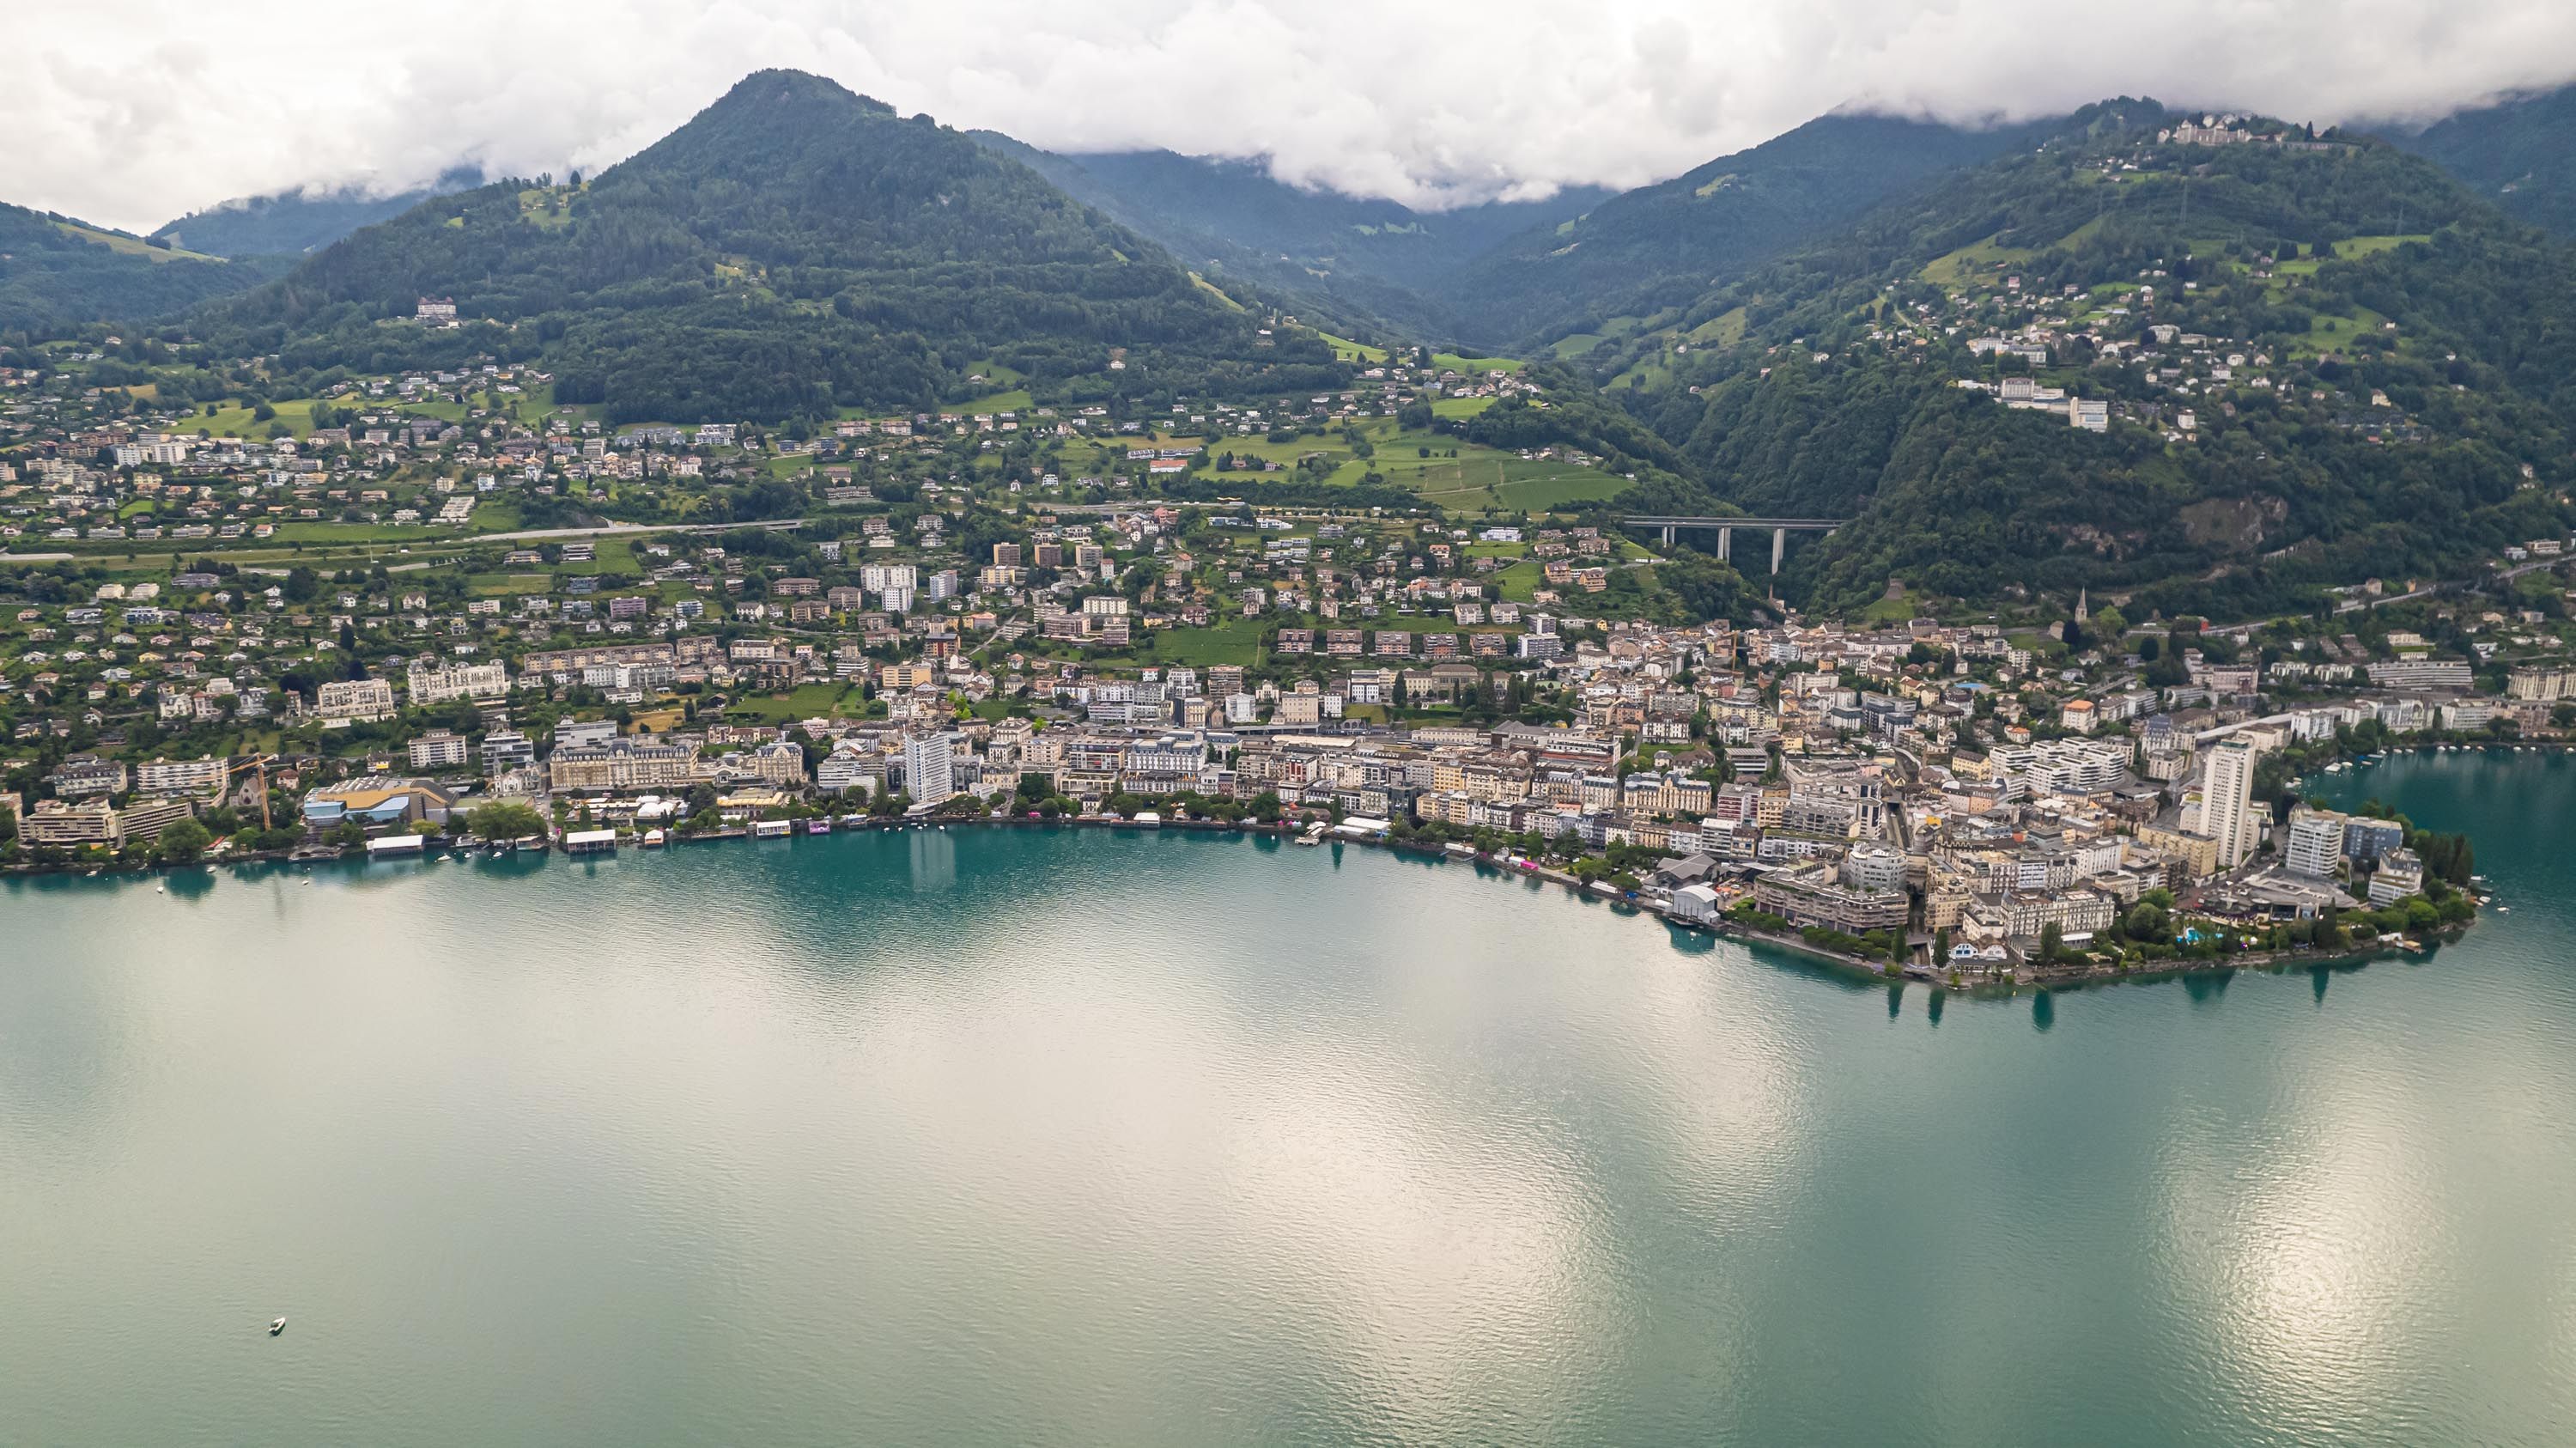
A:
(1668, 537)
(1779, 547)
(1725, 544)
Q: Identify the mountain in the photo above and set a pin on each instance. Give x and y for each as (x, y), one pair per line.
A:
(291, 223)
(56, 272)
(1610, 270)
(2520, 154)
(1379, 260)
(793, 249)
(2365, 401)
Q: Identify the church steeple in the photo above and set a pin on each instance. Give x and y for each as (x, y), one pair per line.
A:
(2079, 604)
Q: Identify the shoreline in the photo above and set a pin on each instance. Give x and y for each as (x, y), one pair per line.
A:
(1858, 968)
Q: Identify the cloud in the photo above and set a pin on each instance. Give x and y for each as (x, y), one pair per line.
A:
(133, 111)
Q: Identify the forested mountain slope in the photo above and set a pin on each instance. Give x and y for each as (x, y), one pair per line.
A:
(793, 249)
(291, 223)
(1369, 262)
(2520, 154)
(1612, 269)
(2317, 361)
(56, 273)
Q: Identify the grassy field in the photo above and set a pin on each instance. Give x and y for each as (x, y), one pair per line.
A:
(1972, 260)
(2349, 249)
(2336, 334)
(1723, 330)
(1236, 640)
(1476, 364)
(1350, 351)
(1889, 610)
(1218, 292)
(806, 701)
(1459, 408)
(227, 421)
(131, 245)
(1479, 479)
(502, 585)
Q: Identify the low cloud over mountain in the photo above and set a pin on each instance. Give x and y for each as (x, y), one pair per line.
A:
(133, 111)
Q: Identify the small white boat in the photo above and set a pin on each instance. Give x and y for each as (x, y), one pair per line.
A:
(277, 1327)
(160, 890)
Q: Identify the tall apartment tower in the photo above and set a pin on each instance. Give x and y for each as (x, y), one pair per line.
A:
(2227, 812)
(926, 767)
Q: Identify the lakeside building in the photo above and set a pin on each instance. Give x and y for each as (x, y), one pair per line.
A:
(929, 765)
(2228, 815)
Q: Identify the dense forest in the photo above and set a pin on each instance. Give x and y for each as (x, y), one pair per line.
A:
(2517, 154)
(292, 223)
(792, 250)
(56, 273)
(1657, 245)
(1356, 263)
(2286, 487)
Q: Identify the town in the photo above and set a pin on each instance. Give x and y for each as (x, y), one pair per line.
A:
(1007, 614)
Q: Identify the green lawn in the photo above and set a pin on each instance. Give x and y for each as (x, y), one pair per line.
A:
(1723, 330)
(1236, 640)
(2352, 247)
(806, 701)
(1478, 479)
(1218, 292)
(1459, 408)
(2336, 334)
(493, 585)
(1520, 580)
(228, 421)
(1889, 610)
(1972, 260)
(1350, 351)
(130, 245)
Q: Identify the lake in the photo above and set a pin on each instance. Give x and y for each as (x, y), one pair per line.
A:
(1133, 1138)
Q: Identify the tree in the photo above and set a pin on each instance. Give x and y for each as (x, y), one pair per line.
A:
(2052, 942)
(505, 820)
(182, 842)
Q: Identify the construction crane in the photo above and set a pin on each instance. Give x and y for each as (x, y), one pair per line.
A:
(256, 765)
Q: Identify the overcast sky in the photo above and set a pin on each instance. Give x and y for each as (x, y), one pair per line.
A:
(131, 112)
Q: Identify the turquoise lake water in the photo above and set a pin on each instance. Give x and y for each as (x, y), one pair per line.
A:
(1080, 1137)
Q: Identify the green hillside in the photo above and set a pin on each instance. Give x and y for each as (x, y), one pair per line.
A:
(295, 222)
(2519, 154)
(793, 249)
(2374, 362)
(1635, 255)
(56, 272)
(1352, 263)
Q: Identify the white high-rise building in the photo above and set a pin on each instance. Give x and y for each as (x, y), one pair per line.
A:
(2315, 846)
(2227, 803)
(927, 775)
